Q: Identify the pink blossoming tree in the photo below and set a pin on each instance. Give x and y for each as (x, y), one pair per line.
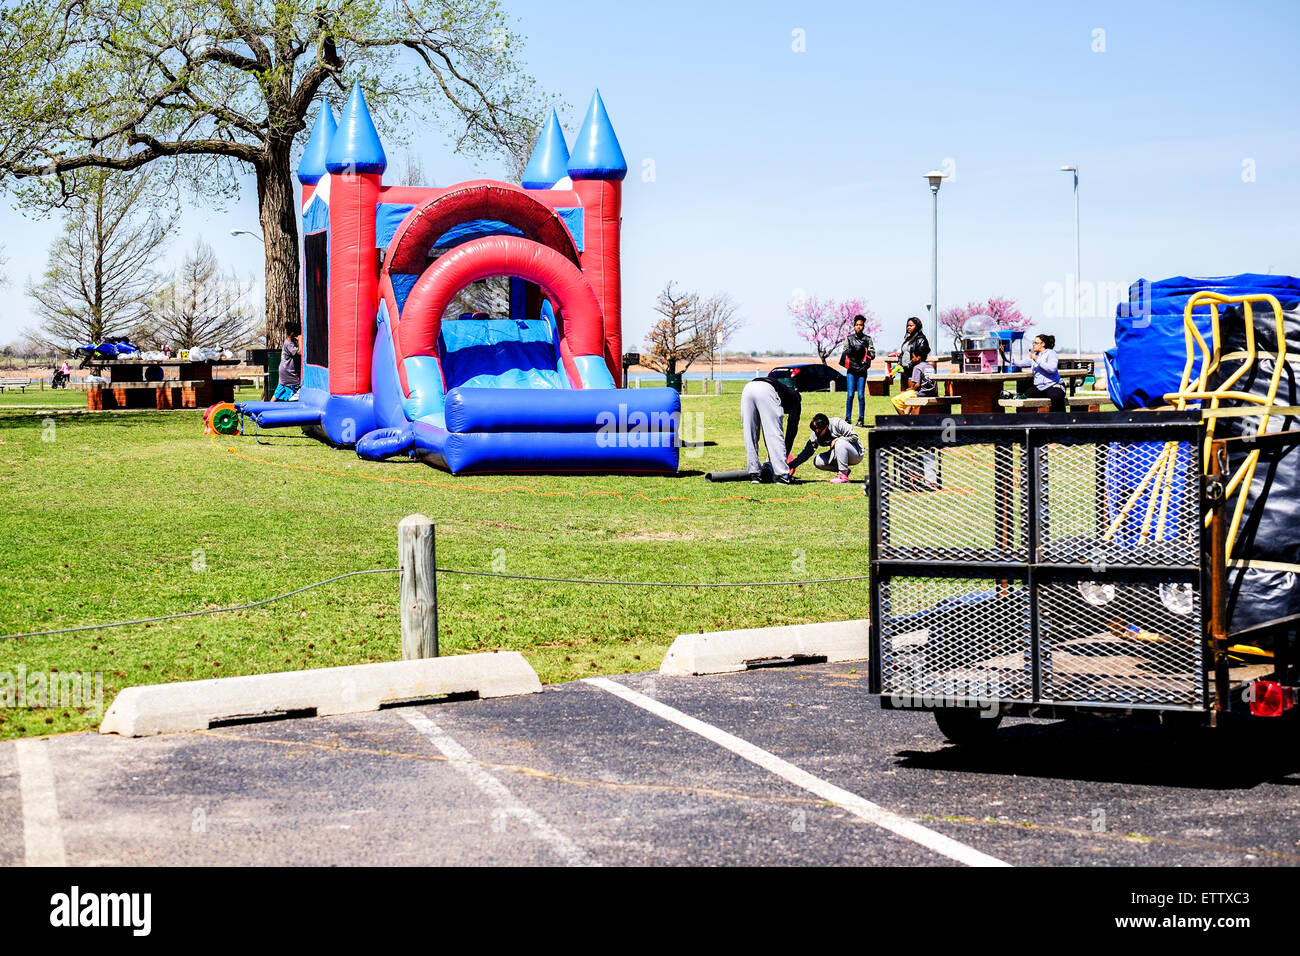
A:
(826, 323)
(1002, 310)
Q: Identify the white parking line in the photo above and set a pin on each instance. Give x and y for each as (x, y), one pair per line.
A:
(863, 809)
(507, 805)
(42, 838)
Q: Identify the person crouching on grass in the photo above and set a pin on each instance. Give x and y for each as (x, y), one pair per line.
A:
(842, 440)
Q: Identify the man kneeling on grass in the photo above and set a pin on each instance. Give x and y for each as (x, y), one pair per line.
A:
(843, 442)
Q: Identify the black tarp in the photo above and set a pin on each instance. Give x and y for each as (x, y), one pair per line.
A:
(1270, 526)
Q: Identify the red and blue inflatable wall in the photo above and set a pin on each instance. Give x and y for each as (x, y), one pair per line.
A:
(537, 390)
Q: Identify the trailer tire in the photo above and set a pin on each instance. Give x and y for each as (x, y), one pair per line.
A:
(967, 726)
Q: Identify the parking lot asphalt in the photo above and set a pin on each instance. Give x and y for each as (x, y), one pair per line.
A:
(794, 765)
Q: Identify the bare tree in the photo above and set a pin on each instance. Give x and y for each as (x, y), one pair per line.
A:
(718, 319)
(200, 305)
(100, 273)
(217, 89)
(674, 341)
(412, 173)
(490, 296)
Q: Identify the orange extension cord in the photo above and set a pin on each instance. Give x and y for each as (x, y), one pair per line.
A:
(526, 489)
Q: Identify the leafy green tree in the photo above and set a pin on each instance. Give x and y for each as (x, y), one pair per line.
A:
(221, 87)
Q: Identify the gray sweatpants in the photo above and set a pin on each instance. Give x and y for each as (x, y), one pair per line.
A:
(760, 411)
(844, 453)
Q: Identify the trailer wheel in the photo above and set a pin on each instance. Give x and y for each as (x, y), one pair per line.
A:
(967, 726)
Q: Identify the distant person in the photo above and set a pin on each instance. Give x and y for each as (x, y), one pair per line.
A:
(920, 382)
(912, 337)
(845, 448)
(762, 403)
(859, 350)
(290, 363)
(1047, 377)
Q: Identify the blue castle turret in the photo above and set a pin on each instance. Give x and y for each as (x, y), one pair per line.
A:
(312, 166)
(596, 153)
(355, 147)
(550, 160)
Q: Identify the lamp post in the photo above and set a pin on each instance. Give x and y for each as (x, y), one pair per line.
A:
(934, 177)
(245, 232)
(1078, 317)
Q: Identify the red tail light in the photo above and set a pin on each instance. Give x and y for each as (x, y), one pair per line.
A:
(1270, 699)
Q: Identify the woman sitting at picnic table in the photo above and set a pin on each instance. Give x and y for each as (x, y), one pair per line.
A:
(1047, 378)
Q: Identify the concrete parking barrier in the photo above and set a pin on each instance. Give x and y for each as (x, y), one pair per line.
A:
(196, 705)
(722, 652)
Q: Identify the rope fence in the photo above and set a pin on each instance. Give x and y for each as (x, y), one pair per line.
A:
(456, 571)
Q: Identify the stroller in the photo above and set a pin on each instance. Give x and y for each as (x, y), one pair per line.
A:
(60, 379)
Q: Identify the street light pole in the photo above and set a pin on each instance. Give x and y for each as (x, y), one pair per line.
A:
(935, 178)
(245, 232)
(1078, 314)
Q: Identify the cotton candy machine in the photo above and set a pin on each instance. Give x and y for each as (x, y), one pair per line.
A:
(979, 344)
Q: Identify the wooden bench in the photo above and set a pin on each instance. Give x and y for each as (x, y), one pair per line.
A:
(1089, 401)
(170, 393)
(1026, 404)
(20, 383)
(931, 406)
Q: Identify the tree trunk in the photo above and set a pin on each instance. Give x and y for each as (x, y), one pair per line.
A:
(279, 213)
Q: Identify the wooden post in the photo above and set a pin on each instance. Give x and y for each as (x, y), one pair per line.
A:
(717, 387)
(417, 557)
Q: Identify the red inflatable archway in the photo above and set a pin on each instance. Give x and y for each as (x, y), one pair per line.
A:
(577, 309)
(483, 199)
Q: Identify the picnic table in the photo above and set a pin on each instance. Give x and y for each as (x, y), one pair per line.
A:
(979, 391)
(142, 383)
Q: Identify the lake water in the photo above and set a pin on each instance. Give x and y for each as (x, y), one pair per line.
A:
(728, 376)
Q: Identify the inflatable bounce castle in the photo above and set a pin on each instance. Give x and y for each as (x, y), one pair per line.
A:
(386, 372)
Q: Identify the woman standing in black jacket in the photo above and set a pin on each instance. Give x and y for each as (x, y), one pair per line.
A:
(859, 350)
(912, 337)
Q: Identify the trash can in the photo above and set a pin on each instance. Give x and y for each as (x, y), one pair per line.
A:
(268, 360)
(272, 374)
(674, 380)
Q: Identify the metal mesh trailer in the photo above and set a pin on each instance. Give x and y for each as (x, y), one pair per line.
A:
(1047, 565)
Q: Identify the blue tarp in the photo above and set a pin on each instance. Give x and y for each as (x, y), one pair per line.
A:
(1150, 348)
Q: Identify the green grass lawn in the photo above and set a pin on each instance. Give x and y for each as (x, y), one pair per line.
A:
(134, 514)
(49, 397)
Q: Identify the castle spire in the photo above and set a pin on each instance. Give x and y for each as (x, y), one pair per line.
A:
(550, 160)
(355, 147)
(596, 153)
(312, 166)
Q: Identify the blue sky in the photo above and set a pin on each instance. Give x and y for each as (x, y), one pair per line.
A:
(777, 170)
